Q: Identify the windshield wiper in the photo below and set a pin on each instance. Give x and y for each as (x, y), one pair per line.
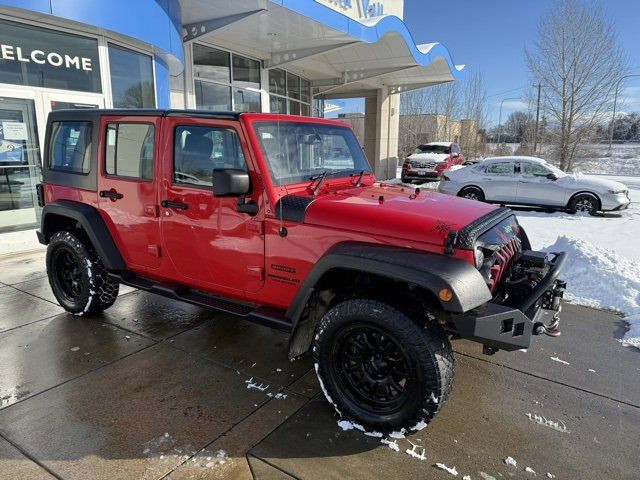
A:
(360, 175)
(320, 179)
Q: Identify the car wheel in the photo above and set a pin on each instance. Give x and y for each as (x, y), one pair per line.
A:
(77, 277)
(472, 193)
(584, 203)
(380, 368)
(405, 180)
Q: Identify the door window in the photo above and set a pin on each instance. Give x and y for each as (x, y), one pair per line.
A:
(19, 162)
(534, 169)
(503, 169)
(129, 150)
(70, 149)
(198, 150)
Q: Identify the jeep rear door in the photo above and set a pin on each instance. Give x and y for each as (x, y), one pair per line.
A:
(205, 237)
(127, 188)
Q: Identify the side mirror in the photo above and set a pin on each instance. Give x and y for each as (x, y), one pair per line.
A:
(230, 182)
(552, 176)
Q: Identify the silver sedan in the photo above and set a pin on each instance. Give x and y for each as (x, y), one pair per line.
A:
(531, 181)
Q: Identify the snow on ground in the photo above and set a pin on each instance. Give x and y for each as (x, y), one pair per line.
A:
(603, 265)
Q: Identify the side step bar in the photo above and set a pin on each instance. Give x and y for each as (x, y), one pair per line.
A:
(269, 317)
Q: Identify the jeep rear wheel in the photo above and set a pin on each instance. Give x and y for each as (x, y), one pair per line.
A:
(381, 369)
(77, 277)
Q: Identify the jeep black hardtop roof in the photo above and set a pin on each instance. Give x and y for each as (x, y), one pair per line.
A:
(94, 113)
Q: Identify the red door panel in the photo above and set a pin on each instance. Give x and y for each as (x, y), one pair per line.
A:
(205, 237)
(130, 205)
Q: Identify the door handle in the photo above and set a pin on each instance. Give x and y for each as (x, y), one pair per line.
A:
(112, 194)
(172, 204)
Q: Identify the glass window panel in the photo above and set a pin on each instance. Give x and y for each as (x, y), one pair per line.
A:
(70, 147)
(211, 96)
(277, 81)
(44, 58)
(534, 169)
(305, 110)
(294, 151)
(294, 107)
(246, 72)
(277, 104)
(129, 150)
(293, 86)
(246, 101)
(131, 78)
(503, 168)
(211, 63)
(305, 87)
(19, 162)
(198, 150)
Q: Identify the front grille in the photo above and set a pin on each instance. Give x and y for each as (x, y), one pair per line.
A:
(430, 165)
(502, 261)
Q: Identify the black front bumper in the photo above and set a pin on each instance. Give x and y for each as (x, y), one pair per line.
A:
(508, 328)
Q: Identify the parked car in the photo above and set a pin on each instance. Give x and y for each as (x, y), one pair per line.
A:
(429, 160)
(533, 182)
(243, 214)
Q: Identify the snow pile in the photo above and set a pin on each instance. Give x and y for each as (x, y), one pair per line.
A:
(597, 277)
(450, 470)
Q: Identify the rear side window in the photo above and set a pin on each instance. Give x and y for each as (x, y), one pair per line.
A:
(504, 168)
(70, 147)
(129, 150)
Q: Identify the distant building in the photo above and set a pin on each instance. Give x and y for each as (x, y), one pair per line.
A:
(425, 128)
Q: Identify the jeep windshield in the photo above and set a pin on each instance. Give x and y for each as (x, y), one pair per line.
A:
(297, 151)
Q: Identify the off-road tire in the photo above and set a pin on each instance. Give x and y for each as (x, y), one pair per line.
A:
(406, 180)
(472, 193)
(425, 347)
(584, 202)
(91, 290)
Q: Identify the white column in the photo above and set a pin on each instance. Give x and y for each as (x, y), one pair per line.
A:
(381, 133)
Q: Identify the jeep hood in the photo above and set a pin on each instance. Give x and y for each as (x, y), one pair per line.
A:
(394, 211)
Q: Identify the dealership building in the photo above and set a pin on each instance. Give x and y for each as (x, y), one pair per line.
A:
(286, 56)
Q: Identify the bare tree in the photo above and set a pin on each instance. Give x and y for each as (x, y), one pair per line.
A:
(434, 114)
(577, 58)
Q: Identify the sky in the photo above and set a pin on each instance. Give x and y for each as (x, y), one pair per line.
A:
(491, 35)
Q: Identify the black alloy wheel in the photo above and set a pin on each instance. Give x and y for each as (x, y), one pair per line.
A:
(373, 368)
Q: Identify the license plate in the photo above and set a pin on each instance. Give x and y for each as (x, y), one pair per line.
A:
(422, 174)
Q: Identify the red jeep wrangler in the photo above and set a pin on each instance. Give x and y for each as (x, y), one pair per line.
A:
(280, 220)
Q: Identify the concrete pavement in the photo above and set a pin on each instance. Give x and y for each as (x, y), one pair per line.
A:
(159, 389)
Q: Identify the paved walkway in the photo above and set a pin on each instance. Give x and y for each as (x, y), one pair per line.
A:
(154, 388)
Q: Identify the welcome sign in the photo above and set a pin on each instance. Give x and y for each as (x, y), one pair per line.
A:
(54, 59)
(40, 57)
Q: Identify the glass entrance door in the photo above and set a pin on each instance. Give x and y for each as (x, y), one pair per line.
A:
(23, 117)
(19, 163)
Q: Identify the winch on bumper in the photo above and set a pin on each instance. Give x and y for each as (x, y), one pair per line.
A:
(510, 328)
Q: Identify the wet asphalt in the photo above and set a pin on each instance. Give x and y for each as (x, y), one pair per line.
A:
(155, 388)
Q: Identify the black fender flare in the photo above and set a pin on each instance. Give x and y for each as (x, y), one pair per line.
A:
(92, 223)
(430, 271)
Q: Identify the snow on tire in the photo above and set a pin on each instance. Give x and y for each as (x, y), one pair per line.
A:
(77, 277)
(383, 371)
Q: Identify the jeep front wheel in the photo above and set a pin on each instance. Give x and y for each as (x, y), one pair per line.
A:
(381, 369)
(77, 277)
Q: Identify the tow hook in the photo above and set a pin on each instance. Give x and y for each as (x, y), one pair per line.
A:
(539, 328)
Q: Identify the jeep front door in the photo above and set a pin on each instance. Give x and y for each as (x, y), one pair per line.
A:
(205, 237)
